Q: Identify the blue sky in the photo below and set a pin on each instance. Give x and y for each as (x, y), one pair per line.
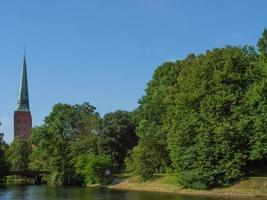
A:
(104, 51)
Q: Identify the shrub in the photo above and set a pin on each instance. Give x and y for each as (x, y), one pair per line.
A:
(92, 167)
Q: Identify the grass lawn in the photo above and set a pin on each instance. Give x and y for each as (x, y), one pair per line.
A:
(251, 186)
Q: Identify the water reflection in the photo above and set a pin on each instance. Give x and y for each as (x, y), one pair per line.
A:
(83, 193)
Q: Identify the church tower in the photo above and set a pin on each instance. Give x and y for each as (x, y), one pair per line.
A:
(22, 115)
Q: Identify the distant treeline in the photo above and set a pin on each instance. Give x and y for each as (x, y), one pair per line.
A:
(203, 118)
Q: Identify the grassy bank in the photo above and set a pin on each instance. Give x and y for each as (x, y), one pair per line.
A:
(250, 187)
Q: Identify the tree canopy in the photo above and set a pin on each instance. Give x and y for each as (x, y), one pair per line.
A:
(203, 118)
(73, 136)
(206, 114)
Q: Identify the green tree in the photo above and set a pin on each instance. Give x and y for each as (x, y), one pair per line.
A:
(68, 132)
(3, 158)
(51, 143)
(42, 148)
(208, 144)
(144, 160)
(262, 45)
(255, 108)
(3, 150)
(88, 128)
(150, 117)
(119, 137)
(92, 167)
(18, 155)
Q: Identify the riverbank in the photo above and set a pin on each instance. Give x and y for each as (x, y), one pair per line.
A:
(251, 187)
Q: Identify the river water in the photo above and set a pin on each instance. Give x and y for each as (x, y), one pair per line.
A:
(84, 193)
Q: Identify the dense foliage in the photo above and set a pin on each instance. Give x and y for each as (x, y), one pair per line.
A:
(76, 145)
(151, 155)
(209, 112)
(118, 134)
(3, 157)
(92, 167)
(208, 137)
(18, 155)
(203, 118)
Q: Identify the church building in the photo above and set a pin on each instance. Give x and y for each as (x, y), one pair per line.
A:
(22, 115)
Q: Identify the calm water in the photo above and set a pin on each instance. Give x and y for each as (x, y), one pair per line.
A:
(81, 193)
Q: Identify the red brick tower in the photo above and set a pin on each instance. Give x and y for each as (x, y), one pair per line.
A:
(22, 115)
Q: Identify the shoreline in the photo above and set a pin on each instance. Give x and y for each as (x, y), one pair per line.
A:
(237, 191)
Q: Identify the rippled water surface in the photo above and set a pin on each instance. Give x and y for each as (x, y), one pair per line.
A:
(81, 193)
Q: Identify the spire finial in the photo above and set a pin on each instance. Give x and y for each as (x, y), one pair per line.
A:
(24, 50)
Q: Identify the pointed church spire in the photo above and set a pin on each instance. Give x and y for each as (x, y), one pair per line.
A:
(23, 101)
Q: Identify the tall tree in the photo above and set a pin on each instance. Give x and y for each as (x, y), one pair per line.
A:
(18, 155)
(119, 137)
(3, 151)
(150, 117)
(68, 131)
(207, 139)
(255, 108)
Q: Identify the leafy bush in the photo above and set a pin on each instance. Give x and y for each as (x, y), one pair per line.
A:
(143, 161)
(92, 167)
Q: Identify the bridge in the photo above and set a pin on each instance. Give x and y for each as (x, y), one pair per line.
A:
(36, 175)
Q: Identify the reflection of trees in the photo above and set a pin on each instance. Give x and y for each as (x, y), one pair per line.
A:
(19, 192)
